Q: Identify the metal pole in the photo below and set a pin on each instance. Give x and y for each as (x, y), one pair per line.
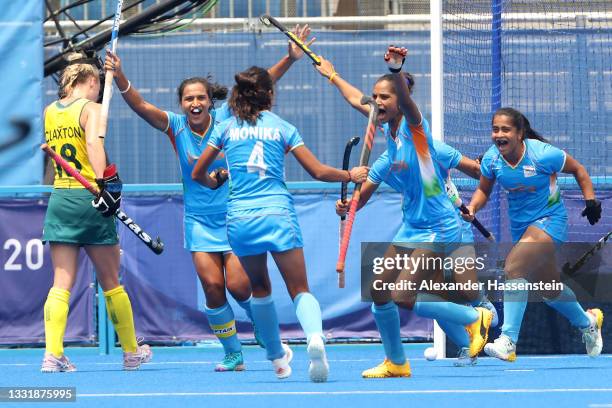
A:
(437, 116)
(496, 87)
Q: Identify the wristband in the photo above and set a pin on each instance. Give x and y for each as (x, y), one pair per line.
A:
(396, 68)
(332, 76)
(126, 89)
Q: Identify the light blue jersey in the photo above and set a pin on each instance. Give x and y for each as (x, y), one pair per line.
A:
(260, 216)
(205, 209)
(447, 157)
(189, 146)
(408, 167)
(531, 187)
(256, 160)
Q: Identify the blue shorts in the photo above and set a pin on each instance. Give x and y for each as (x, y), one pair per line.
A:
(444, 237)
(260, 230)
(555, 226)
(206, 233)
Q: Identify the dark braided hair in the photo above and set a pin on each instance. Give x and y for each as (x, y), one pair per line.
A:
(521, 123)
(252, 94)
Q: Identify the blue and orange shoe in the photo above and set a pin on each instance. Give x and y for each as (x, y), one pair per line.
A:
(231, 362)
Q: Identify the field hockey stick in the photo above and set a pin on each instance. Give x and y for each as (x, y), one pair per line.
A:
(343, 191)
(572, 269)
(108, 79)
(366, 149)
(268, 21)
(453, 195)
(156, 246)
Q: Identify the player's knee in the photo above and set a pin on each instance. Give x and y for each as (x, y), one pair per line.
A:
(239, 288)
(403, 299)
(213, 287)
(295, 289)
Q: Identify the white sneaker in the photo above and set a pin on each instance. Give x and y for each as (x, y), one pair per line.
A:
(319, 368)
(132, 361)
(288, 352)
(52, 364)
(281, 365)
(503, 348)
(591, 335)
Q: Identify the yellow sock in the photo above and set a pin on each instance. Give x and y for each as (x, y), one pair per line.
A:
(56, 316)
(119, 310)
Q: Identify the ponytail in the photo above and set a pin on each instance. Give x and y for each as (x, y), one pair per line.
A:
(252, 94)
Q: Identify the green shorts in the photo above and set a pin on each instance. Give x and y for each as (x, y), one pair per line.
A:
(72, 219)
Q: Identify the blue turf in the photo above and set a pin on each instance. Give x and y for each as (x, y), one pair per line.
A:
(555, 381)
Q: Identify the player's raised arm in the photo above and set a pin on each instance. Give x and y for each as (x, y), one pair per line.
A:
(351, 94)
(294, 53)
(149, 112)
(395, 57)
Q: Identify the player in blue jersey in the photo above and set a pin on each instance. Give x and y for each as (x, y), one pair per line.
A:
(430, 223)
(261, 217)
(205, 210)
(526, 166)
(447, 158)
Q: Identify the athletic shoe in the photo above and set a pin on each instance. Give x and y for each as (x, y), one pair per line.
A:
(281, 365)
(503, 348)
(479, 330)
(591, 335)
(464, 359)
(288, 352)
(486, 303)
(231, 362)
(388, 369)
(132, 361)
(52, 364)
(319, 368)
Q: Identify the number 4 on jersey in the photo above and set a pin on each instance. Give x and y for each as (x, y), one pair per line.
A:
(256, 162)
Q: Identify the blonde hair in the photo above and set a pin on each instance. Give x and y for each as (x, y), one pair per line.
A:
(75, 74)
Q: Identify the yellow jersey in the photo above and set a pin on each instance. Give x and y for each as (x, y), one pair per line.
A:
(65, 135)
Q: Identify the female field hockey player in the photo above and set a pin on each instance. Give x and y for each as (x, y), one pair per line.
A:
(447, 158)
(74, 221)
(428, 216)
(205, 209)
(526, 166)
(261, 217)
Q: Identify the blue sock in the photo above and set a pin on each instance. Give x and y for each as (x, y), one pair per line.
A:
(515, 302)
(388, 323)
(456, 333)
(264, 316)
(434, 307)
(308, 312)
(222, 323)
(568, 306)
(246, 306)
